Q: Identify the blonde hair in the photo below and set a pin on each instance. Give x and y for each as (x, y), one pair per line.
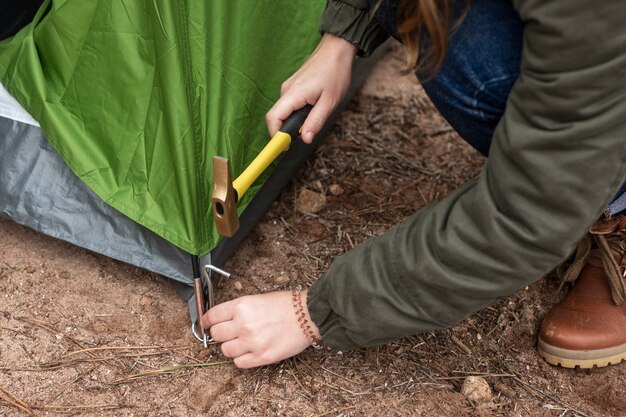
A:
(432, 19)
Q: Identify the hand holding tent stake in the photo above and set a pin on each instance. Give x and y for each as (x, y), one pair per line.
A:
(227, 193)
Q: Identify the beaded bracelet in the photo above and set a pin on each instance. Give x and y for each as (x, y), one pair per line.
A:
(296, 298)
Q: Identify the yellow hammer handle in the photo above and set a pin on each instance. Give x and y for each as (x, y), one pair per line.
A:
(274, 147)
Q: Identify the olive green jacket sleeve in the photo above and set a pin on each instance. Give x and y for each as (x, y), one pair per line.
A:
(352, 21)
(557, 158)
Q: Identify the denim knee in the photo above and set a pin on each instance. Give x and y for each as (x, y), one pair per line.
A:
(482, 64)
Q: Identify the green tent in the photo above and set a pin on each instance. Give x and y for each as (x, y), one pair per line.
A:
(135, 98)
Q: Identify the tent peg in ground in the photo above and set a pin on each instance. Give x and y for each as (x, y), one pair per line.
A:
(205, 298)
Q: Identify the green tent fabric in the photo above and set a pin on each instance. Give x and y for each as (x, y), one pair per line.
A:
(137, 96)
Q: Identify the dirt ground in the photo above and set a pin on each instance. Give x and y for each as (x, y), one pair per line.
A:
(82, 334)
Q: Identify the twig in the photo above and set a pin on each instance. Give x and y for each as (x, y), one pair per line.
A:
(320, 239)
(15, 397)
(360, 189)
(49, 366)
(540, 394)
(15, 401)
(165, 371)
(460, 344)
(288, 226)
(410, 184)
(74, 408)
(18, 332)
(422, 195)
(293, 374)
(45, 326)
(484, 375)
(341, 376)
(16, 405)
(440, 132)
(344, 389)
(67, 385)
(349, 240)
(95, 349)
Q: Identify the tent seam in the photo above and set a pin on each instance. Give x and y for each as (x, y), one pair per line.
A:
(187, 73)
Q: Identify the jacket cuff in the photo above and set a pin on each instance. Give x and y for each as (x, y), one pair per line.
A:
(327, 321)
(355, 25)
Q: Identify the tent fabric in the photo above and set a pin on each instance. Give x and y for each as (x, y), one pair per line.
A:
(38, 190)
(11, 109)
(136, 97)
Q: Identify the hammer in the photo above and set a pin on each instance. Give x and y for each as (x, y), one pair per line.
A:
(226, 193)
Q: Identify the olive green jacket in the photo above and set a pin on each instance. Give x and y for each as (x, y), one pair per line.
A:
(557, 158)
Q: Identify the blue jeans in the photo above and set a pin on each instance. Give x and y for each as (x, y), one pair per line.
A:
(482, 64)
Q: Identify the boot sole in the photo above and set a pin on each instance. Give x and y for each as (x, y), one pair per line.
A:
(585, 359)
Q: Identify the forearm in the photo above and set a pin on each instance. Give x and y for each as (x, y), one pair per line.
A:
(336, 49)
(557, 158)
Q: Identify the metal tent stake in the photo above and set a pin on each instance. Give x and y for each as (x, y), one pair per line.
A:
(205, 297)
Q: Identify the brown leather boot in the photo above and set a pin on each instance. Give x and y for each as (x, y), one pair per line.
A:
(588, 328)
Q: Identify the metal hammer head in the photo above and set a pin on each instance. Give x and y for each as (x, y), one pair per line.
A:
(224, 199)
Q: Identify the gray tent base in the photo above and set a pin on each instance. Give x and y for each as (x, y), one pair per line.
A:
(38, 190)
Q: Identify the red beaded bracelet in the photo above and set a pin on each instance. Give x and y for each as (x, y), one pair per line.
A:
(296, 298)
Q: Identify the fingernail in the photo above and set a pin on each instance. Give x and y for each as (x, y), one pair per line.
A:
(308, 136)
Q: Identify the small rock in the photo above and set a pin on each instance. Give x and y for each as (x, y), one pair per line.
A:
(505, 390)
(145, 301)
(204, 355)
(310, 202)
(476, 389)
(65, 275)
(238, 285)
(283, 279)
(100, 327)
(336, 189)
(30, 269)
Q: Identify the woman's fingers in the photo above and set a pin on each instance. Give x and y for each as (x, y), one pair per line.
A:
(246, 361)
(281, 110)
(251, 360)
(224, 331)
(234, 348)
(219, 313)
(317, 117)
